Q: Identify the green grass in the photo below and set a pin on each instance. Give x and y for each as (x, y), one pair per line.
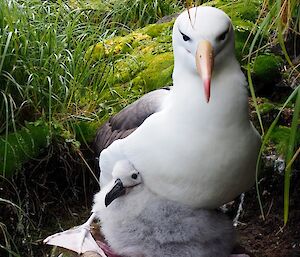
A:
(44, 67)
(135, 13)
(291, 154)
(278, 21)
(43, 71)
(265, 141)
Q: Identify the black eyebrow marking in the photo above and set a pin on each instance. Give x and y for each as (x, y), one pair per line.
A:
(184, 36)
(223, 34)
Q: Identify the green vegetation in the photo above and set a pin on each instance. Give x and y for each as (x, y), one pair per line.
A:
(134, 13)
(278, 25)
(73, 69)
(144, 52)
(66, 66)
(18, 147)
(266, 67)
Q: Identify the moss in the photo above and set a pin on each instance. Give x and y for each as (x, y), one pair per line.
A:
(22, 145)
(116, 45)
(125, 69)
(240, 47)
(96, 4)
(242, 13)
(85, 131)
(243, 10)
(139, 62)
(156, 30)
(29, 141)
(266, 66)
(139, 38)
(95, 52)
(158, 72)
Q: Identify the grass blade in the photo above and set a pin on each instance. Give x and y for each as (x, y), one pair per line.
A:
(6, 133)
(264, 142)
(289, 157)
(252, 91)
(5, 50)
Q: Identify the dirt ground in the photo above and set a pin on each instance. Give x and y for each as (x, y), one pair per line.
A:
(268, 238)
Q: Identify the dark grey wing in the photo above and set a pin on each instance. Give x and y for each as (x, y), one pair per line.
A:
(129, 119)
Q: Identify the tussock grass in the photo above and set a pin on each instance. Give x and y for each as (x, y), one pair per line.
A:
(279, 22)
(291, 154)
(265, 140)
(136, 13)
(44, 68)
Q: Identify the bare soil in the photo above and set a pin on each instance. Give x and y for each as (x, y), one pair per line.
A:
(268, 237)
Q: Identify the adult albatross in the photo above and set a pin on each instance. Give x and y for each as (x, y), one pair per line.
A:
(193, 143)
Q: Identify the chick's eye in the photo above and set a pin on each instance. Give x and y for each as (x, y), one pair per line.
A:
(185, 37)
(134, 176)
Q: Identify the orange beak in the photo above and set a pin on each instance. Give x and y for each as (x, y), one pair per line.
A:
(205, 65)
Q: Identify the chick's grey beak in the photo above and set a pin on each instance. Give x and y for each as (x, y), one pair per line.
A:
(117, 191)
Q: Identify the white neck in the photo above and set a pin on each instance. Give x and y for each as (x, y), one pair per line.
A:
(228, 95)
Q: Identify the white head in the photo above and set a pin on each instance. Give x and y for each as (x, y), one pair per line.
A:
(203, 38)
(124, 179)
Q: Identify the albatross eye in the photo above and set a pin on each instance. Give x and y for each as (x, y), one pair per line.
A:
(223, 35)
(134, 176)
(185, 37)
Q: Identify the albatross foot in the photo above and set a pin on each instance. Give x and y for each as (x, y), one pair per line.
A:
(78, 239)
